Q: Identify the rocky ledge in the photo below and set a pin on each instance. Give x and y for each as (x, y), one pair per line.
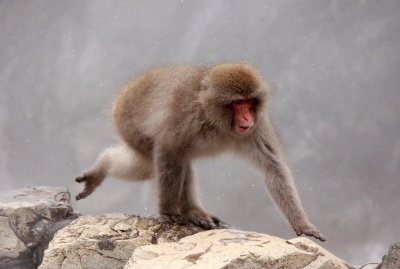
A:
(30, 217)
(108, 241)
(123, 241)
(235, 249)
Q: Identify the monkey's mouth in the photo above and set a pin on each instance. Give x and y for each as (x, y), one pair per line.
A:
(242, 129)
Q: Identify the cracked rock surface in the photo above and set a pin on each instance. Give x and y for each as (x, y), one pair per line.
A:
(108, 241)
(231, 249)
(392, 259)
(29, 218)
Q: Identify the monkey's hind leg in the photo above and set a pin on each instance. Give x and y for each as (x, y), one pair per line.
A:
(191, 208)
(120, 162)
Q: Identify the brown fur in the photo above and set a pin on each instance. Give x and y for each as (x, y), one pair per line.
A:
(170, 115)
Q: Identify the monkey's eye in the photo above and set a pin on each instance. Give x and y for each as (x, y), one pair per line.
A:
(244, 102)
(237, 102)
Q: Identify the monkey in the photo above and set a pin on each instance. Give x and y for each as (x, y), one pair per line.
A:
(168, 116)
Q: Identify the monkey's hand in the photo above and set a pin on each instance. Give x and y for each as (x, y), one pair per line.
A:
(201, 218)
(308, 229)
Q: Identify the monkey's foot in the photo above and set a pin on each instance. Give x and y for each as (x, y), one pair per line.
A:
(310, 230)
(172, 218)
(201, 218)
(90, 185)
(216, 220)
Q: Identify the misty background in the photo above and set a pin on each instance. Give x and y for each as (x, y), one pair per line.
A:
(334, 71)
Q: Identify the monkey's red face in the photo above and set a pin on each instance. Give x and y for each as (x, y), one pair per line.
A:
(244, 116)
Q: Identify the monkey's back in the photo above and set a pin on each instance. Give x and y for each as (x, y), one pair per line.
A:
(142, 107)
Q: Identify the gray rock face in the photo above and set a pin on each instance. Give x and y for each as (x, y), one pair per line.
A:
(108, 241)
(29, 218)
(235, 249)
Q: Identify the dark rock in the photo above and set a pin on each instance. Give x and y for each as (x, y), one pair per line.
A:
(392, 259)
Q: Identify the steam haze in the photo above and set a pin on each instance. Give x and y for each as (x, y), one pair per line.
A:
(333, 68)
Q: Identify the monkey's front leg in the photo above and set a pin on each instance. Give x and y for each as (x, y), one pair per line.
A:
(280, 184)
(283, 190)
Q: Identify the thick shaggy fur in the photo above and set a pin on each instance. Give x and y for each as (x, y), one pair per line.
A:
(170, 115)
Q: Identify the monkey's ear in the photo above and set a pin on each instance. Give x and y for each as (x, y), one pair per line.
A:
(205, 94)
(266, 92)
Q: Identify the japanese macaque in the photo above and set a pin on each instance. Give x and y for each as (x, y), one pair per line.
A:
(168, 116)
